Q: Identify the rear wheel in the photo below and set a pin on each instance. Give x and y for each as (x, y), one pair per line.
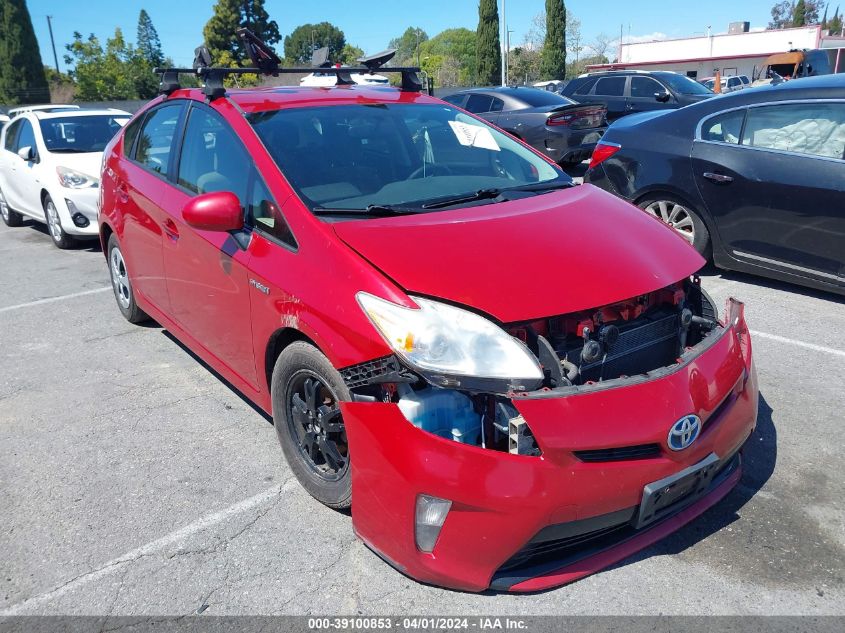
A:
(121, 285)
(307, 392)
(54, 224)
(10, 218)
(681, 217)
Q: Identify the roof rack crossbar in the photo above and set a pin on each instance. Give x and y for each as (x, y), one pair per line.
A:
(213, 77)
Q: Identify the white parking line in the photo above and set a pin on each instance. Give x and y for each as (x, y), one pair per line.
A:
(792, 341)
(39, 302)
(153, 547)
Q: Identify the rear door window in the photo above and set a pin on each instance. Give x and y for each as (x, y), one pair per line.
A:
(806, 128)
(611, 86)
(723, 128)
(478, 103)
(155, 142)
(12, 135)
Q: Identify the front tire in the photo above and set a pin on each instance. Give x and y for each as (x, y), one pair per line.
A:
(61, 239)
(307, 392)
(681, 217)
(10, 218)
(121, 285)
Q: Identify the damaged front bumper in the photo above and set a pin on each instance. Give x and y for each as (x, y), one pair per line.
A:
(525, 523)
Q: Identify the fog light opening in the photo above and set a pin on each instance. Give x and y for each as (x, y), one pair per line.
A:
(79, 219)
(429, 518)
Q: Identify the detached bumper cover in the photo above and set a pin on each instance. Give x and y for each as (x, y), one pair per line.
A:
(501, 503)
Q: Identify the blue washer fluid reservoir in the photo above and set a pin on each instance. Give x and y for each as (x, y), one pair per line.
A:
(443, 412)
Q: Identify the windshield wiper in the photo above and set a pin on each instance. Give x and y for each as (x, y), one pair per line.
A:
(488, 194)
(481, 194)
(376, 210)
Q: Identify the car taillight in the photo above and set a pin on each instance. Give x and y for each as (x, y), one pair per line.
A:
(602, 152)
(560, 119)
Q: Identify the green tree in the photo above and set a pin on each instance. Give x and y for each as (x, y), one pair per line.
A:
(350, 54)
(115, 72)
(298, 45)
(456, 50)
(799, 14)
(835, 24)
(488, 56)
(148, 42)
(553, 61)
(22, 77)
(407, 45)
(230, 15)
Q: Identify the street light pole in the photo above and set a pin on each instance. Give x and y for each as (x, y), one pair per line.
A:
(504, 50)
(53, 42)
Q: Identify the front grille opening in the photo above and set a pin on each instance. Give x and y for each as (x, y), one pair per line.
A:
(619, 453)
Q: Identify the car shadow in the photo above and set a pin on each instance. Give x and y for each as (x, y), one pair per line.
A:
(774, 284)
(91, 245)
(219, 376)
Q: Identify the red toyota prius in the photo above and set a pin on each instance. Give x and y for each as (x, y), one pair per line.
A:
(512, 381)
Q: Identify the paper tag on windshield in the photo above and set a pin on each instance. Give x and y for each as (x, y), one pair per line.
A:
(474, 136)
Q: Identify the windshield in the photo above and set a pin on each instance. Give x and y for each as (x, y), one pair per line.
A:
(357, 156)
(80, 134)
(684, 85)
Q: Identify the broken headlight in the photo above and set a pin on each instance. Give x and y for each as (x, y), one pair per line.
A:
(452, 347)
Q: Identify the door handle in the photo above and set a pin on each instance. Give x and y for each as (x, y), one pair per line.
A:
(720, 178)
(171, 230)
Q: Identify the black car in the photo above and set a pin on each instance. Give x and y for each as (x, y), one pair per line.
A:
(756, 177)
(560, 128)
(630, 91)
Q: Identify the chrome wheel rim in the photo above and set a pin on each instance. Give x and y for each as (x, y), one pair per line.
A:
(53, 222)
(675, 215)
(4, 207)
(120, 279)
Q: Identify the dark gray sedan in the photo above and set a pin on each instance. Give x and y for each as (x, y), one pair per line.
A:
(560, 128)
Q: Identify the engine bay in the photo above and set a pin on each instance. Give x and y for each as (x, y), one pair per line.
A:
(591, 347)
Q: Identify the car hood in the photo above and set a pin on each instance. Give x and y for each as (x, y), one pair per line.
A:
(87, 163)
(530, 258)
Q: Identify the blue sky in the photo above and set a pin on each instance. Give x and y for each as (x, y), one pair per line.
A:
(179, 23)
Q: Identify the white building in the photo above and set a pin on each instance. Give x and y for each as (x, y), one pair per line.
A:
(741, 53)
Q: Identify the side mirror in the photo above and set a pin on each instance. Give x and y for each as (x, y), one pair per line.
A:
(662, 97)
(215, 211)
(27, 152)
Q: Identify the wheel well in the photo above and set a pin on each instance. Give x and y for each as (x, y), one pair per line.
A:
(279, 340)
(44, 195)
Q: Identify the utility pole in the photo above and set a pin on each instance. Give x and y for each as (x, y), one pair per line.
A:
(505, 56)
(417, 33)
(508, 55)
(53, 42)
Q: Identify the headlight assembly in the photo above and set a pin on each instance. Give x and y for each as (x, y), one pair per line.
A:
(73, 179)
(452, 347)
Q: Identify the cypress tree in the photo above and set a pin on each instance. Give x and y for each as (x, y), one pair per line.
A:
(799, 14)
(22, 78)
(149, 44)
(488, 60)
(553, 59)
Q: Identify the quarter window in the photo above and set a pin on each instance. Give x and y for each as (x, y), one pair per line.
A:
(811, 128)
(11, 135)
(130, 135)
(645, 87)
(212, 158)
(585, 87)
(264, 213)
(724, 128)
(611, 86)
(156, 138)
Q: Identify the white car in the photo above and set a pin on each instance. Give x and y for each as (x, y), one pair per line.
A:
(321, 79)
(50, 166)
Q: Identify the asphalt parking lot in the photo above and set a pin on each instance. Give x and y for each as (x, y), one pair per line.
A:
(134, 481)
